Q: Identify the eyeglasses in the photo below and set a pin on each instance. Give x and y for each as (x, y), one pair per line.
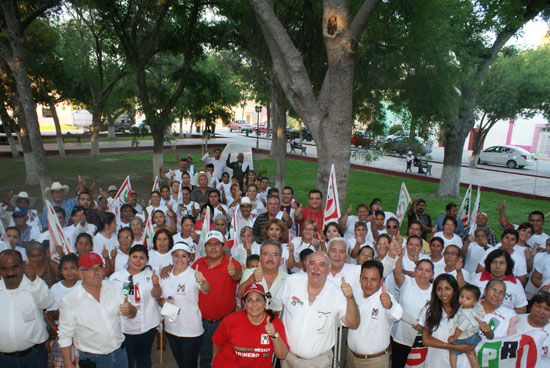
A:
(268, 295)
(496, 291)
(267, 254)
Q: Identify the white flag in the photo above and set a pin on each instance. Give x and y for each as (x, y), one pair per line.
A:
(465, 207)
(475, 211)
(332, 207)
(56, 232)
(404, 201)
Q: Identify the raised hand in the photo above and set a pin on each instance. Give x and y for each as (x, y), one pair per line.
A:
(231, 267)
(435, 229)
(270, 329)
(459, 264)
(298, 210)
(9, 196)
(395, 249)
(105, 252)
(155, 278)
(385, 298)
(59, 250)
(126, 308)
(346, 289)
(484, 326)
(113, 253)
(29, 269)
(258, 274)
(199, 277)
(502, 206)
(349, 211)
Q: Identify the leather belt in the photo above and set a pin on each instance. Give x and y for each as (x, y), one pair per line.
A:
(369, 356)
(213, 320)
(22, 353)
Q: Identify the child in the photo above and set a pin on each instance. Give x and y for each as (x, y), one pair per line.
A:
(303, 258)
(252, 261)
(358, 242)
(466, 324)
(14, 235)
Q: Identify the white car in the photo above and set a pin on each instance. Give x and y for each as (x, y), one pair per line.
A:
(509, 156)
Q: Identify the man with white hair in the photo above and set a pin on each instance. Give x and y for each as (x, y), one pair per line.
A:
(312, 306)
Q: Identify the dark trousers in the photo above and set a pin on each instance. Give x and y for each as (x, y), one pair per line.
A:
(185, 350)
(138, 348)
(206, 343)
(37, 358)
(116, 359)
(399, 354)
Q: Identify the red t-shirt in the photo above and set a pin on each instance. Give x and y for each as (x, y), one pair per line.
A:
(220, 301)
(243, 344)
(318, 217)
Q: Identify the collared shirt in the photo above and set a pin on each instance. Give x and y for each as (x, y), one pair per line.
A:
(475, 253)
(95, 326)
(277, 282)
(515, 294)
(67, 205)
(198, 196)
(21, 320)
(220, 301)
(30, 233)
(219, 165)
(309, 214)
(518, 256)
(538, 240)
(148, 314)
(373, 334)
(310, 326)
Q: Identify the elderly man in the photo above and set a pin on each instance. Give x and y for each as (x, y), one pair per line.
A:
(20, 200)
(268, 272)
(27, 232)
(201, 192)
(481, 221)
(240, 168)
(243, 217)
(368, 344)
(23, 297)
(219, 164)
(312, 306)
(273, 211)
(90, 315)
(57, 191)
(223, 273)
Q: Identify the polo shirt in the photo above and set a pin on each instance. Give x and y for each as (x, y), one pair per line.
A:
(277, 283)
(220, 301)
(310, 326)
(309, 214)
(198, 196)
(515, 295)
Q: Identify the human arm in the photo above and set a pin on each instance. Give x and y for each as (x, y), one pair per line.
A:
(39, 290)
(67, 360)
(250, 276)
(355, 249)
(344, 219)
(215, 350)
(503, 219)
(127, 309)
(398, 272)
(536, 278)
(279, 347)
(204, 285)
(233, 271)
(455, 335)
(430, 341)
(485, 329)
(156, 291)
(351, 319)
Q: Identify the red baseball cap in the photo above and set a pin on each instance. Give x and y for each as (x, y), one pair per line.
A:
(89, 259)
(131, 191)
(254, 287)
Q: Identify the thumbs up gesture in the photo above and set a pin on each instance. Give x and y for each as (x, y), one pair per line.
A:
(231, 267)
(127, 309)
(346, 289)
(199, 277)
(385, 298)
(155, 278)
(105, 252)
(258, 274)
(349, 211)
(484, 326)
(270, 329)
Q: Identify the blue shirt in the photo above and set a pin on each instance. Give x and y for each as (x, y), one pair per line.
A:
(67, 205)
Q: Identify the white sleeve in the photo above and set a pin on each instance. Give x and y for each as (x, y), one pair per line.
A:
(41, 293)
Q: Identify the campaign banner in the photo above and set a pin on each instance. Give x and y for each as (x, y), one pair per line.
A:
(403, 204)
(332, 206)
(56, 232)
(464, 212)
(521, 350)
(475, 211)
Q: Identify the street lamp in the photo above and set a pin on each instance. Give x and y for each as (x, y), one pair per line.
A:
(258, 110)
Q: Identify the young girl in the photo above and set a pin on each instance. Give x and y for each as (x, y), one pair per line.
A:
(224, 186)
(436, 256)
(159, 221)
(382, 246)
(358, 242)
(160, 256)
(306, 241)
(241, 251)
(276, 229)
(188, 234)
(68, 267)
(366, 253)
(83, 244)
(137, 230)
(125, 242)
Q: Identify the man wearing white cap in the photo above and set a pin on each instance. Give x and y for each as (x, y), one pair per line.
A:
(223, 273)
(57, 191)
(20, 200)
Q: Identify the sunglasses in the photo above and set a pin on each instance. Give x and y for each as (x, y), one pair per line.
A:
(18, 216)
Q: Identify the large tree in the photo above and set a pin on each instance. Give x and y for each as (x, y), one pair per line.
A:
(327, 114)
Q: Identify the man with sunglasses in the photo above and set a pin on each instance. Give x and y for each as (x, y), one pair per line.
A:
(28, 232)
(268, 274)
(90, 315)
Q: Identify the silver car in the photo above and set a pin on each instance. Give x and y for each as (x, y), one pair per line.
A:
(509, 156)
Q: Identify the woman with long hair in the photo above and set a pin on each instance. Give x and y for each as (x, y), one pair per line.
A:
(276, 229)
(160, 256)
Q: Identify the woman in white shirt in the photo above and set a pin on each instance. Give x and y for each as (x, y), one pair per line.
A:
(141, 287)
(241, 250)
(125, 243)
(105, 239)
(181, 288)
(160, 256)
(448, 234)
(136, 225)
(306, 241)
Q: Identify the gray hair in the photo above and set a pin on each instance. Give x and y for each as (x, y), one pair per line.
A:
(324, 254)
(32, 245)
(221, 217)
(337, 240)
(271, 242)
(138, 219)
(482, 229)
(245, 228)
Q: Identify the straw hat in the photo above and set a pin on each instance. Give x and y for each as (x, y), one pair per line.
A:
(22, 195)
(246, 200)
(57, 186)
(198, 175)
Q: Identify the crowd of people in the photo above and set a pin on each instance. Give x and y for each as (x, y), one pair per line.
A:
(239, 274)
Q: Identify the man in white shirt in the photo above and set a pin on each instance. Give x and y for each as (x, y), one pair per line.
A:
(91, 316)
(312, 306)
(23, 297)
(368, 344)
(219, 164)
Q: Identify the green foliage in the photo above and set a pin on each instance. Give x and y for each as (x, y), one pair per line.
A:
(395, 128)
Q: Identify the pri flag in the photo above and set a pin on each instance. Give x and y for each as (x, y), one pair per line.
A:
(475, 211)
(3, 235)
(149, 233)
(464, 213)
(56, 231)
(204, 230)
(332, 207)
(122, 194)
(156, 185)
(404, 201)
(521, 350)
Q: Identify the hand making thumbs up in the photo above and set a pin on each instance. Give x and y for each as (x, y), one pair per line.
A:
(127, 309)
(346, 289)
(258, 274)
(385, 298)
(231, 267)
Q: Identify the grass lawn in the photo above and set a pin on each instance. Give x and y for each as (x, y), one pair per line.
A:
(363, 186)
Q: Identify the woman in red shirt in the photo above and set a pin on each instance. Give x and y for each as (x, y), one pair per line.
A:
(249, 338)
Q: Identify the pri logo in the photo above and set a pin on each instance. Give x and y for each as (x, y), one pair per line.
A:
(180, 289)
(296, 300)
(374, 312)
(264, 339)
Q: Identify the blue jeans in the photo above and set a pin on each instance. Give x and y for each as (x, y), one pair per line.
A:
(185, 350)
(38, 358)
(206, 343)
(138, 348)
(116, 359)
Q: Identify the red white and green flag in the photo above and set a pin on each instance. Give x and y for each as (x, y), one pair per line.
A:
(403, 203)
(332, 207)
(465, 207)
(475, 211)
(122, 194)
(204, 230)
(3, 235)
(156, 185)
(149, 233)
(56, 232)
(528, 350)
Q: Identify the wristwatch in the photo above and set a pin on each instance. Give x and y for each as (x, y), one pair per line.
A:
(275, 336)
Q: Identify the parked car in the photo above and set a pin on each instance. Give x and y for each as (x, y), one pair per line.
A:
(236, 125)
(294, 134)
(123, 124)
(245, 128)
(506, 155)
(263, 129)
(398, 134)
(402, 145)
(361, 139)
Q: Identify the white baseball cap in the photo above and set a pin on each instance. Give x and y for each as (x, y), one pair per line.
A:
(182, 246)
(214, 234)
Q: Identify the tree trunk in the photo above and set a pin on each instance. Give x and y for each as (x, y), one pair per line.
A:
(158, 148)
(31, 172)
(477, 143)
(58, 133)
(111, 134)
(94, 129)
(268, 122)
(278, 144)
(8, 123)
(191, 128)
(181, 127)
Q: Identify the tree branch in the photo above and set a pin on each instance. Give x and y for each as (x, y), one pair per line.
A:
(361, 18)
(38, 12)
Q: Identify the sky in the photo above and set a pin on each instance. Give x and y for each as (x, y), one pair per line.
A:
(531, 35)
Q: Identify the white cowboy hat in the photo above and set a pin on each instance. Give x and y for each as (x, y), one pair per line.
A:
(57, 186)
(199, 174)
(246, 200)
(22, 195)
